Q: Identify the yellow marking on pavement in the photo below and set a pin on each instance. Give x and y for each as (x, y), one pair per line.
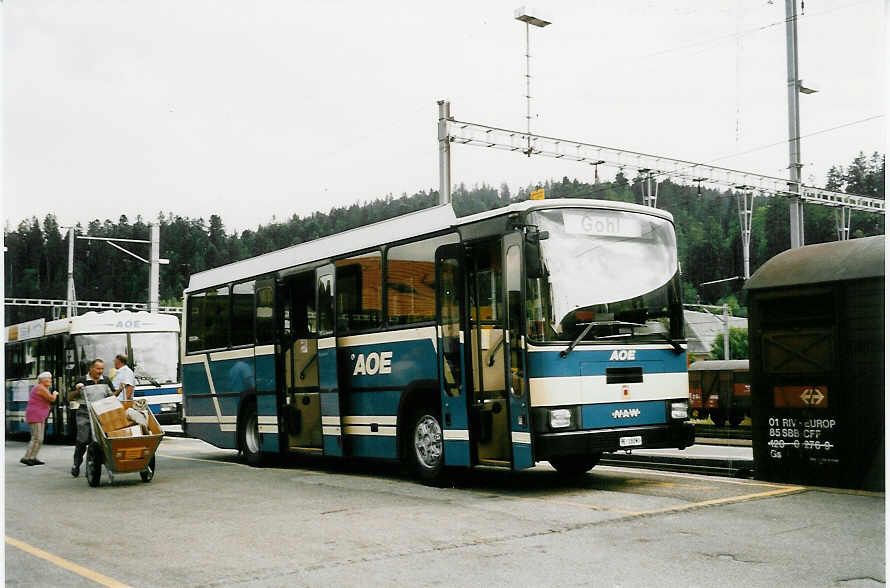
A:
(672, 485)
(237, 464)
(728, 500)
(699, 477)
(64, 563)
(578, 504)
(850, 491)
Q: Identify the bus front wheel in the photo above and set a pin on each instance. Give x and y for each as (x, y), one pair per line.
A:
(426, 446)
(575, 465)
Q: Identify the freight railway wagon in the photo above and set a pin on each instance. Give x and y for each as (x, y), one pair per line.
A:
(720, 389)
(65, 348)
(546, 330)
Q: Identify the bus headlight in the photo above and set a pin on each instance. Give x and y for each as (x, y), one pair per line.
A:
(679, 410)
(560, 418)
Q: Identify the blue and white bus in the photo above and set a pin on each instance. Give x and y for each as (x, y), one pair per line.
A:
(65, 347)
(547, 330)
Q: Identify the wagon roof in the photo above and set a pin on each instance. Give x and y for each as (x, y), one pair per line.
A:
(855, 259)
(719, 364)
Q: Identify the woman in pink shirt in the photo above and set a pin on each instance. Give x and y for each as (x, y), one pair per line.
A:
(38, 408)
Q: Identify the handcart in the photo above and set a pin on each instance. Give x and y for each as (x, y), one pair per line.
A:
(120, 454)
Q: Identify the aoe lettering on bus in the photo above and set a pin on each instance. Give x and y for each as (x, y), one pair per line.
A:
(374, 363)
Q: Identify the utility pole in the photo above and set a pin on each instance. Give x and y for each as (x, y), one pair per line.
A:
(444, 153)
(726, 331)
(794, 89)
(71, 295)
(154, 274)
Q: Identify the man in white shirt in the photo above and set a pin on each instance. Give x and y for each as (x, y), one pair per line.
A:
(124, 379)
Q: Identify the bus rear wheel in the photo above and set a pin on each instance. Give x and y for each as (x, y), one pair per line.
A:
(575, 465)
(426, 446)
(250, 436)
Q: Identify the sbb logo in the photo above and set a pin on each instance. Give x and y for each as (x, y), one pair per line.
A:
(374, 363)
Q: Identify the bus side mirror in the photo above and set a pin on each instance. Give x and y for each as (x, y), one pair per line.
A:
(534, 266)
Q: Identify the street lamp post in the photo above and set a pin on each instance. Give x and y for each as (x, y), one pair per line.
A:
(527, 15)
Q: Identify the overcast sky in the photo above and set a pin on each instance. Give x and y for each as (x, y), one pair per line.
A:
(255, 109)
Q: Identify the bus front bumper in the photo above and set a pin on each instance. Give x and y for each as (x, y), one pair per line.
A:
(673, 436)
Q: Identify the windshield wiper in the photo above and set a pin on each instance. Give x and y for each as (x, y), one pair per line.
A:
(678, 349)
(148, 379)
(565, 352)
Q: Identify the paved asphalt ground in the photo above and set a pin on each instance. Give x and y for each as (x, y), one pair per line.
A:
(207, 520)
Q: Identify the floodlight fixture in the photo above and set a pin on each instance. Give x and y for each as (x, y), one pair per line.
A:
(530, 16)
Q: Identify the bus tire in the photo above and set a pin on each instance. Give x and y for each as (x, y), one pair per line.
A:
(249, 435)
(575, 465)
(426, 446)
(94, 465)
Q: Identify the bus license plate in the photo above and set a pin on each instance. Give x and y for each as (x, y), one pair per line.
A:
(630, 441)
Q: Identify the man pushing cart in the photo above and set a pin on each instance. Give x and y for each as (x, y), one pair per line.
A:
(124, 438)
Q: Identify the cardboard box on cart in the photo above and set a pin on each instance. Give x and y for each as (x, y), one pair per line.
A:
(133, 431)
(111, 414)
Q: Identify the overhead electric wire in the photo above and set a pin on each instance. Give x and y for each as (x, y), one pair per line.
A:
(738, 35)
(760, 148)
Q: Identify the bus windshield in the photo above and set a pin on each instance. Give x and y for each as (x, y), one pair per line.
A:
(102, 346)
(612, 271)
(155, 357)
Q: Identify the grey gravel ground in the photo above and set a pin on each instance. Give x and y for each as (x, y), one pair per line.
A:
(207, 520)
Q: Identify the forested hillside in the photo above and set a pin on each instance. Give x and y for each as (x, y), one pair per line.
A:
(707, 229)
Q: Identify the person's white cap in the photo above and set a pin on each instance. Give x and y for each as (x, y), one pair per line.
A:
(45, 375)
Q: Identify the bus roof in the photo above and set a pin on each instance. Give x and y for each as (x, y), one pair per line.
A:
(123, 321)
(27, 330)
(415, 224)
(111, 321)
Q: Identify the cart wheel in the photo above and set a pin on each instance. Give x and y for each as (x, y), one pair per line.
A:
(149, 472)
(94, 465)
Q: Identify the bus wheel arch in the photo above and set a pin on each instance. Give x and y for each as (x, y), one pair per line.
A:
(420, 440)
(419, 394)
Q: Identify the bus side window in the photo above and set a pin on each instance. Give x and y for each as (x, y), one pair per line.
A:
(194, 328)
(265, 311)
(208, 320)
(325, 306)
(359, 297)
(242, 314)
(30, 360)
(410, 280)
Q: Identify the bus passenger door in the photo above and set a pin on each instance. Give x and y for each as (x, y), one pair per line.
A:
(450, 315)
(299, 367)
(328, 385)
(514, 352)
